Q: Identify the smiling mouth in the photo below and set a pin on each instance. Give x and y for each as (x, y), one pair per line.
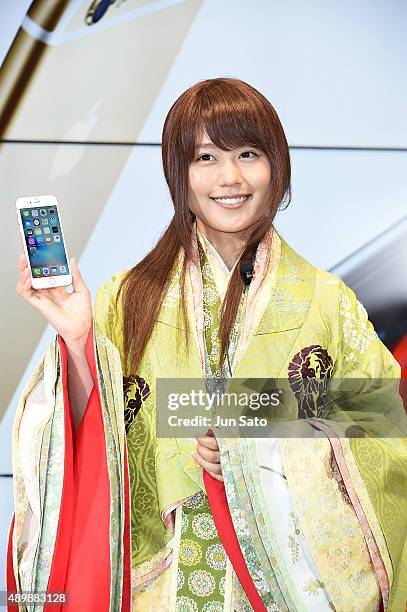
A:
(232, 201)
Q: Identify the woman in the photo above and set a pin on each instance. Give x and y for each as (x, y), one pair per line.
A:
(119, 517)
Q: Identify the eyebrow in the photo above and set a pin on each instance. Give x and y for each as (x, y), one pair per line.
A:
(210, 145)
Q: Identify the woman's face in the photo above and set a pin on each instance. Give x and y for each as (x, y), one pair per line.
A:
(228, 189)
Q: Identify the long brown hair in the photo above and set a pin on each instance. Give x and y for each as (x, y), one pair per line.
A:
(233, 114)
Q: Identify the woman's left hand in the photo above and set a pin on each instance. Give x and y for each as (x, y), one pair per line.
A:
(208, 456)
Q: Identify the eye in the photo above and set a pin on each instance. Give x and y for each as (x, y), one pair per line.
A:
(249, 152)
(204, 155)
(245, 154)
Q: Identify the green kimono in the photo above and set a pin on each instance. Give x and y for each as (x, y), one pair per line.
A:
(347, 496)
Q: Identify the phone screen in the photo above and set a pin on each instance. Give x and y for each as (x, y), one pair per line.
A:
(45, 245)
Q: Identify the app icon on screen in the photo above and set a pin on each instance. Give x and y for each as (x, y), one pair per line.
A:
(55, 229)
(33, 250)
(46, 230)
(40, 240)
(31, 241)
(53, 219)
(26, 213)
(51, 211)
(27, 223)
(45, 271)
(36, 222)
(57, 238)
(34, 212)
(29, 232)
(43, 213)
(38, 231)
(44, 221)
(48, 239)
(37, 271)
(62, 268)
(54, 270)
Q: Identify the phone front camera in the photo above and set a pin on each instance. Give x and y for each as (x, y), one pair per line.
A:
(96, 10)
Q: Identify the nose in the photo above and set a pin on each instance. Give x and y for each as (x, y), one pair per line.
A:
(229, 173)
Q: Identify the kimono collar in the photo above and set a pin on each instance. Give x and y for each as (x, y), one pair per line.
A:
(216, 261)
(256, 301)
(220, 271)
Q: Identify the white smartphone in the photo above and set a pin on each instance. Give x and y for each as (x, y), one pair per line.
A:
(41, 232)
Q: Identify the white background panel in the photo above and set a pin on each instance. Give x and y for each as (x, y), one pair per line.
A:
(342, 200)
(334, 71)
(378, 271)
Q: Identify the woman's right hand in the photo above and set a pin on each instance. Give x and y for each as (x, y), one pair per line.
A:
(70, 314)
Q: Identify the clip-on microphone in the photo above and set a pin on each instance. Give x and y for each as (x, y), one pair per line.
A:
(246, 272)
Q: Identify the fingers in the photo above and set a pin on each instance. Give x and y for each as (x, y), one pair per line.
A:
(208, 441)
(24, 287)
(78, 284)
(210, 455)
(214, 469)
(22, 262)
(220, 478)
(207, 455)
(23, 269)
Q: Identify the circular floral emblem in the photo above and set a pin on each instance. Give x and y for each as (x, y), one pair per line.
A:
(201, 583)
(195, 501)
(222, 585)
(216, 557)
(135, 390)
(203, 526)
(190, 552)
(185, 604)
(213, 606)
(309, 372)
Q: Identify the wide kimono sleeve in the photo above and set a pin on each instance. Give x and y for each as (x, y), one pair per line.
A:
(365, 424)
(370, 422)
(69, 538)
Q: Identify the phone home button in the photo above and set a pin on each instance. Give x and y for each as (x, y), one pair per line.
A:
(52, 281)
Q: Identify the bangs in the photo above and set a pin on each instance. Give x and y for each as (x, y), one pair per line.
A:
(230, 116)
